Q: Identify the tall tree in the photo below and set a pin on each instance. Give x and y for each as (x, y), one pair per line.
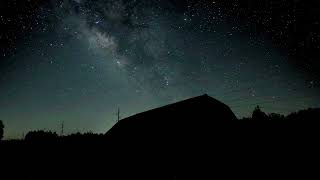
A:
(258, 114)
(1, 129)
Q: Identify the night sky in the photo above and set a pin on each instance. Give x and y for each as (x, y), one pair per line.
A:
(77, 61)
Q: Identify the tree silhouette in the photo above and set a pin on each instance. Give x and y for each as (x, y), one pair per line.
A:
(258, 114)
(1, 129)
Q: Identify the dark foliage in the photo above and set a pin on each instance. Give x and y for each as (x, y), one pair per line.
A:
(259, 115)
(41, 136)
(303, 116)
(276, 117)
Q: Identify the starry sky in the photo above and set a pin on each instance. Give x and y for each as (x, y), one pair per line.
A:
(77, 61)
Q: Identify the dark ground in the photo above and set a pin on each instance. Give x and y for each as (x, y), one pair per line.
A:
(203, 142)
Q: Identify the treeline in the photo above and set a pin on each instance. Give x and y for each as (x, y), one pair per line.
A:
(310, 114)
(52, 137)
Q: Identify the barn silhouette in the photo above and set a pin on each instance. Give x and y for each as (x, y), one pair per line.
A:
(160, 139)
(197, 116)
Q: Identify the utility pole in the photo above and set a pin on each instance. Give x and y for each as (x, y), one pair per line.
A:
(118, 114)
(62, 126)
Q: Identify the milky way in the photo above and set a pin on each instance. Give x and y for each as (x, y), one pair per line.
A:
(81, 60)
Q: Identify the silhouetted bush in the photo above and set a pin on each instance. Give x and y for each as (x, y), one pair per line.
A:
(41, 136)
(246, 119)
(276, 117)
